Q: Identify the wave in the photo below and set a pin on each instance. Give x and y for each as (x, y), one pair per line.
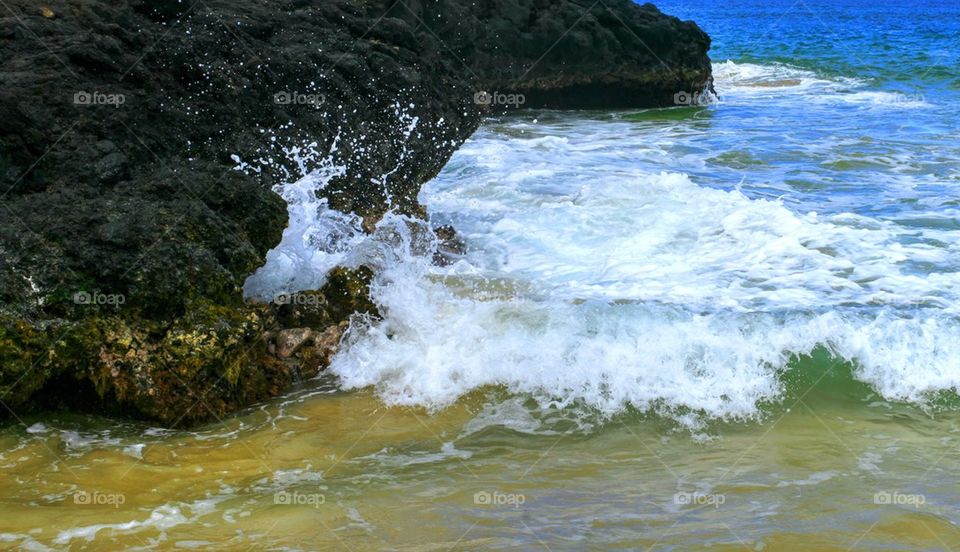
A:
(661, 238)
(757, 80)
(752, 76)
(433, 347)
(316, 239)
(592, 283)
(684, 352)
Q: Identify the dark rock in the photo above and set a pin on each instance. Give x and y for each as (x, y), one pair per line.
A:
(112, 167)
(140, 141)
(315, 358)
(450, 247)
(345, 292)
(578, 54)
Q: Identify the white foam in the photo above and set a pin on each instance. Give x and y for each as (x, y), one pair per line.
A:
(814, 479)
(590, 281)
(801, 85)
(661, 238)
(161, 518)
(650, 291)
(510, 413)
(906, 358)
(434, 347)
(773, 79)
(316, 239)
(135, 450)
(882, 99)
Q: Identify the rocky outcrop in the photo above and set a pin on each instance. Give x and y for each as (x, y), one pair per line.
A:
(140, 142)
(574, 54)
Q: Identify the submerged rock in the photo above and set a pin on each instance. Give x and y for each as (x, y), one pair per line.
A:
(140, 142)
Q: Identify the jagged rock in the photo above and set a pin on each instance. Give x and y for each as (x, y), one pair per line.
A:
(347, 291)
(578, 54)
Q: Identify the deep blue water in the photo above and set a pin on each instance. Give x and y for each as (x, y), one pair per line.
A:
(884, 125)
(908, 46)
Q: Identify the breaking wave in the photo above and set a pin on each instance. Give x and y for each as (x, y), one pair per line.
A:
(593, 280)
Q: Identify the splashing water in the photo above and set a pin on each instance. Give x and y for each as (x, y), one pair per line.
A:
(596, 281)
(593, 280)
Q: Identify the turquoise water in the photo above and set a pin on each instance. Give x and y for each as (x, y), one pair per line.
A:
(888, 150)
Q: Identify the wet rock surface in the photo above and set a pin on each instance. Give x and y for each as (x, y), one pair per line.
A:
(140, 142)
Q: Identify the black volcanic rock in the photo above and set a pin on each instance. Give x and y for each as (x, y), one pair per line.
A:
(140, 141)
(573, 54)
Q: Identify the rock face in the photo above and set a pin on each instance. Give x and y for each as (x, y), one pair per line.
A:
(140, 141)
(578, 54)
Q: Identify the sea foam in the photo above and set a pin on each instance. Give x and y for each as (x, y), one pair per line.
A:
(593, 281)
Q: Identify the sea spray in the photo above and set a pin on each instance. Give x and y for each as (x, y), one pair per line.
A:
(318, 238)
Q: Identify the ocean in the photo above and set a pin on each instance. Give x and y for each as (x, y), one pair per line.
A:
(722, 326)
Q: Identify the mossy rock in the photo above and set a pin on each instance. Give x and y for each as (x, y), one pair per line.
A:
(213, 360)
(210, 361)
(347, 291)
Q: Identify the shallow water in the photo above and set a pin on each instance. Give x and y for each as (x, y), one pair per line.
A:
(727, 326)
(325, 469)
